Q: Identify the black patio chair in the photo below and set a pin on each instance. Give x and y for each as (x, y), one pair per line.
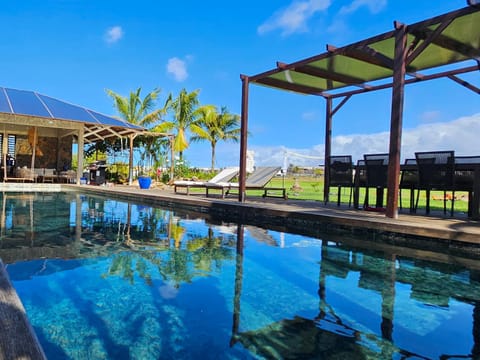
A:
(464, 178)
(341, 174)
(377, 168)
(409, 181)
(436, 172)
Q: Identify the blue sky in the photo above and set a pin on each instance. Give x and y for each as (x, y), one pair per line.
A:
(75, 49)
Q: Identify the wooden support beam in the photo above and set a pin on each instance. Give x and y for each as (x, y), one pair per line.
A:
(242, 177)
(399, 70)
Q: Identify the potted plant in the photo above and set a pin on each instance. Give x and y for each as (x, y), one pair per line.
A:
(144, 179)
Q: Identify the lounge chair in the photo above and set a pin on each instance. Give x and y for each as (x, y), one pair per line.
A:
(223, 176)
(257, 180)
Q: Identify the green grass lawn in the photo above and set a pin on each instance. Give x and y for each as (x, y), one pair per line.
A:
(312, 189)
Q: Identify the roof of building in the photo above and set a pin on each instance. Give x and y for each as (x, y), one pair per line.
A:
(25, 104)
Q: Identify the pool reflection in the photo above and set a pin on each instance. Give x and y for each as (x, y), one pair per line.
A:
(285, 296)
(350, 328)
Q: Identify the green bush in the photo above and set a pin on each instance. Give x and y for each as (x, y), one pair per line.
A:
(165, 178)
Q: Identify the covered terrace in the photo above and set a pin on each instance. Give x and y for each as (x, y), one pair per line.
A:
(447, 46)
(41, 130)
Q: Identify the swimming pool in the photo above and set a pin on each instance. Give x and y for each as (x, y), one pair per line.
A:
(108, 279)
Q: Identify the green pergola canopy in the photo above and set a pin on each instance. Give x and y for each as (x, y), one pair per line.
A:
(443, 46)
(443, 40)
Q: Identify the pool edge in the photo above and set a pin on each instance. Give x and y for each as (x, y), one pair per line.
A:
(18, 339)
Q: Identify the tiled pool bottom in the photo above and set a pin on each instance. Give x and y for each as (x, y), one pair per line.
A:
(143, 283)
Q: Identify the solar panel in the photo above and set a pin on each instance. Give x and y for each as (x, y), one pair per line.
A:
(63, 110)
(26, 103)
(4, 107)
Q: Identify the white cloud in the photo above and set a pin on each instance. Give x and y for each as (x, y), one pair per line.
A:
(113, 34)
(294, 18)
(338, 26)
(374, 6)
(309, 116)
(177, 68)
(460, 135)
(430, 116)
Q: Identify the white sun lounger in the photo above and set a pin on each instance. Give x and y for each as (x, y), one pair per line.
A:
(223, 176)
(257, 180)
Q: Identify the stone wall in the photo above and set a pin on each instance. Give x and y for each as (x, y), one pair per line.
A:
(52, 153)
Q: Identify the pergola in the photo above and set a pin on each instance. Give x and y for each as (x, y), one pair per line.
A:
(389, 60)
(22, 111)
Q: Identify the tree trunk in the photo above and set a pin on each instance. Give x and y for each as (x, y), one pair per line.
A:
(213, 157)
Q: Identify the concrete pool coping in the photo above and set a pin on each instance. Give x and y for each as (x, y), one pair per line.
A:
(18, 339)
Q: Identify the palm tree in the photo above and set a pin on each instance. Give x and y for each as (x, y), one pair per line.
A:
(185, 115)
(213, 127)
(139, 112)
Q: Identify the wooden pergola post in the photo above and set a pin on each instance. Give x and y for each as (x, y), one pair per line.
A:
(243, 140)
(398, 87)
(130, 159)
(80, 145)
(328, 149)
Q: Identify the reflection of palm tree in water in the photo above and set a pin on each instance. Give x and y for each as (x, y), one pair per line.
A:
(176, 265)
(208, 251)
(175, 231)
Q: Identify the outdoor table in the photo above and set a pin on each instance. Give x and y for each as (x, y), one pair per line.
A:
(473, 206)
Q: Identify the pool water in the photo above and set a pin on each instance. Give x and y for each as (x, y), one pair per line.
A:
(107, 279)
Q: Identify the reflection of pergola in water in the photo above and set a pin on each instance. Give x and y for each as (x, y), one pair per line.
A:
(389, 60)
(50, 126)
(327, 335)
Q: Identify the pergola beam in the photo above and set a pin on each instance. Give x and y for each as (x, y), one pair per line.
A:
(325, 74)
(448, 43)
(408, 81)
(414, 52)
(365, 54)
(307, 90)
(464, 83)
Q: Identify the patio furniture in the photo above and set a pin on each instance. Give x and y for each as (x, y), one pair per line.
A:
(436, 172)
(409, 181)
(257, 180)
(340, 174)
(376, 166)
(22, 174)
(223, 176)
(464, 177)
(359, 180)
(49, 175)
(68, 176)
